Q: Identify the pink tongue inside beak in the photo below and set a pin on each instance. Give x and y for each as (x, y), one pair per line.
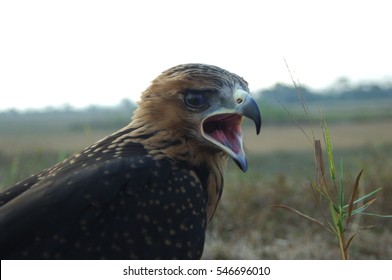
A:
(226, 129)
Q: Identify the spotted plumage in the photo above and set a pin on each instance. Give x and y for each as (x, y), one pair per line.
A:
(145, 192)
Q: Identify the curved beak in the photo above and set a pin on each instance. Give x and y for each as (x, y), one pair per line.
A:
(223, 127)
(248, 108)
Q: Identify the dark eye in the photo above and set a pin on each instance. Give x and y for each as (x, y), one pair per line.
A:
(195, 99)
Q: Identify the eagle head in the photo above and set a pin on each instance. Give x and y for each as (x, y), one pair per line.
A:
(200, 104)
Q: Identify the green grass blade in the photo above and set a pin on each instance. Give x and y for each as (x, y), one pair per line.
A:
(363, 207)
(375, 215)
(364, 197)
(330, 153)
(341, 189)
(333, 211)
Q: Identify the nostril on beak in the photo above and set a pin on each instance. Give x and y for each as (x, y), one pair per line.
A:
(239, 100)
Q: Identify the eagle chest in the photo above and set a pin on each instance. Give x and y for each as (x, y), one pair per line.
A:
(170, 212)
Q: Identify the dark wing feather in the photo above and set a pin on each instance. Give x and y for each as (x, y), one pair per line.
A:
(18, 189)
(119, 208)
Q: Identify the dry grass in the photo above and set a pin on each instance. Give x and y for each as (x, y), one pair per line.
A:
(280, 165)
(273, 138)
(288, 138)
(247, 227)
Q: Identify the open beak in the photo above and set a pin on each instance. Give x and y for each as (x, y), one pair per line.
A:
(223, 127)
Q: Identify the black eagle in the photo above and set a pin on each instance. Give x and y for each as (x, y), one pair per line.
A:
(145, 192)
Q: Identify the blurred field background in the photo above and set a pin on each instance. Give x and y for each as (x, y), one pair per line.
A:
(281, 162)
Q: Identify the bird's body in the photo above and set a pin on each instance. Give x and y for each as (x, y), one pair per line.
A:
(144, 192)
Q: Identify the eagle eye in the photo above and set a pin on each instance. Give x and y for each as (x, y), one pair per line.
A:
(195, 99)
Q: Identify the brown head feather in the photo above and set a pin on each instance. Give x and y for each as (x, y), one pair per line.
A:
(163, 115)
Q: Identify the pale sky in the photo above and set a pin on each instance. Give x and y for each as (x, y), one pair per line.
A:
(98, 52)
